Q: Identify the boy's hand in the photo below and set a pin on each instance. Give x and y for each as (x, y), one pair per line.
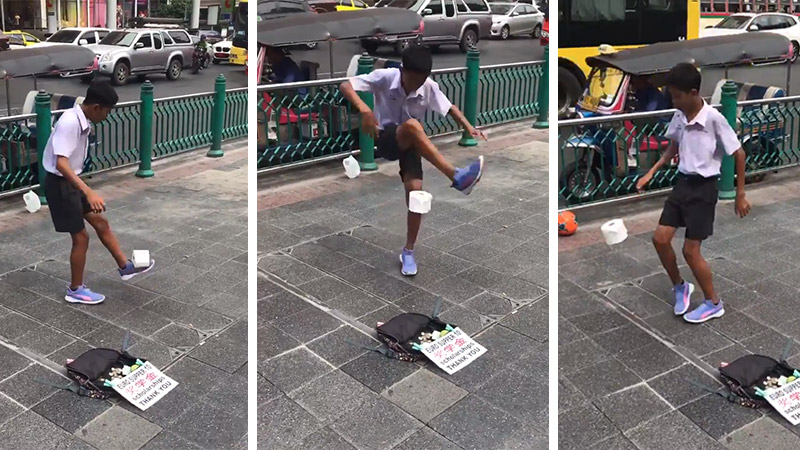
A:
(742, 206)
(476, 133)
(96, 202)
(369, 123)
(642, 182)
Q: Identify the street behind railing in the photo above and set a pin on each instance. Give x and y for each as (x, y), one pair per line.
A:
(174, 125)
(601, 158)
(311, 121)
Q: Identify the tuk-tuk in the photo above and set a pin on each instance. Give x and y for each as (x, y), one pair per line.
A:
(607, 153)
(300, 115)
(19, 137)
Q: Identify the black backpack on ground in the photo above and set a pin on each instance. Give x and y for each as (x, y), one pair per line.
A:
(402, 331)
(87, 370)
(742, 376)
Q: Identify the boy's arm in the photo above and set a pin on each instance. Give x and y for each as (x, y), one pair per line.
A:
(462, 121)
(672, 149)
(726, 136)
(368, 121)
(95, 201)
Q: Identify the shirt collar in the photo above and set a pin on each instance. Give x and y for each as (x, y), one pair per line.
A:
(702, 116)
(397, 85)
(81, 117)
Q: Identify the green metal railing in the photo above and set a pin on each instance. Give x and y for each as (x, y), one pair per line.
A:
(134, 133)
(305, 122)
(602, 158)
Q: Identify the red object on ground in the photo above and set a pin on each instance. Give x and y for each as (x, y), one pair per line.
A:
(567, 224)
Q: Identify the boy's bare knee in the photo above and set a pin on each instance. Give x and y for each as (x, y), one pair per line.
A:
(80, 238)
(661, 239)
(100, 224)
(691, 251)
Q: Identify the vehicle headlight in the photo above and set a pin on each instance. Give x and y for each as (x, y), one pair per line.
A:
(106, 57)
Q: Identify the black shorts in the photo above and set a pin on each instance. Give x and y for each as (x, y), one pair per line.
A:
(67, 204)
(410, 160)
(692, 204)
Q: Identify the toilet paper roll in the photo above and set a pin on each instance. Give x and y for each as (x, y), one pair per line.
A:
(141, 258)
(614, 231)
(419, 202)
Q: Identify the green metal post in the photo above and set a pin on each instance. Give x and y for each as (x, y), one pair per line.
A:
(44, 121)
(471, 95)
(729, 94)
(146, 132)
(365, 142)
(543, 102)
(217, 118)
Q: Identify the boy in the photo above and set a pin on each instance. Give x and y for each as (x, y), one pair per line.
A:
(402, 96)
(701, 136)
(70, 200)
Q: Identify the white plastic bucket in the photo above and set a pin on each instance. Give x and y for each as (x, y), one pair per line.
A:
(614, 231)
(32, 203)
(419, 202)
(351, 167)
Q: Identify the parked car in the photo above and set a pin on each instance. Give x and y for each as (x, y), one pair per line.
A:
(447, 22)
(221, 51)
(516, 19)
(27, 39)
(783, 24)
(76, 36)
(143, 51)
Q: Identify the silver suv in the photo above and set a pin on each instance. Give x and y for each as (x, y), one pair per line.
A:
(447, 22)
(143, 51)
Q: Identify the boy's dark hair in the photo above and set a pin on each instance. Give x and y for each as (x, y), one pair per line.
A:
(417, 59)
(684, 77)
(101, 93)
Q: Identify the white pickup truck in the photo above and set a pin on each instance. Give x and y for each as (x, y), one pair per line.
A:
(143, 51)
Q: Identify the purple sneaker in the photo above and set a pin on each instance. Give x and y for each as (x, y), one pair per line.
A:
(409, 268)
(84, 295)
(683, 297)
(705, 311)
(468, 177)
(129, 271)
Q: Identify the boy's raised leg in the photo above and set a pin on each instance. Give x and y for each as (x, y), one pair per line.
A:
(107, 237)
(411, 135)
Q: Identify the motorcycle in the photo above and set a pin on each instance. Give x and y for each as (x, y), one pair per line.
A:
(200, 60)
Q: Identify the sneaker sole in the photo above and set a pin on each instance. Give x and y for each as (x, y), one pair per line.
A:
(717, 314)
(691, 290)
(468, 190)
(403, 272)
(83, 302)
(128, 277)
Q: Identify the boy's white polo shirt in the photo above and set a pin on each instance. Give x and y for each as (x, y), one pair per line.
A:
(702, 142)
(70, 138)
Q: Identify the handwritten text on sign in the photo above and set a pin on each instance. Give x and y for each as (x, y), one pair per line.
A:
(786, 399)
(145, 386)
(453, 352)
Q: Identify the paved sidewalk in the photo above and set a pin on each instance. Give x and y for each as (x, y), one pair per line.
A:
(329, 270)
(187, 315)
(625, 358)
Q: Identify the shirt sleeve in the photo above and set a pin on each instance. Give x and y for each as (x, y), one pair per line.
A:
(65, 135)
(673, 133)
(370, 82)
(438, 102)
(726, 136)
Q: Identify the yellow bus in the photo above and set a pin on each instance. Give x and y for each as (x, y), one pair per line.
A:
(239, 41)
(584, 25)
(713, 11)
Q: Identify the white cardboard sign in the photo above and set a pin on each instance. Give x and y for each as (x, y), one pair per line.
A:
(145, 386)
(786, 400)
(454, 351)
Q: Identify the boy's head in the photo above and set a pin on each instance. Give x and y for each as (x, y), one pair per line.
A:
(683, 82)
(417, 64)
(100, 100)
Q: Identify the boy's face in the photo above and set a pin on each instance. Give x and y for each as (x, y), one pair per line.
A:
(97, 113)
(412, 81)
(682, 100)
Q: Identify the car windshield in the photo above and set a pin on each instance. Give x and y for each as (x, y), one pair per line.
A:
(413, 5)
(733, 22)
(501, 9)
(120, 38)
(64, 36)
